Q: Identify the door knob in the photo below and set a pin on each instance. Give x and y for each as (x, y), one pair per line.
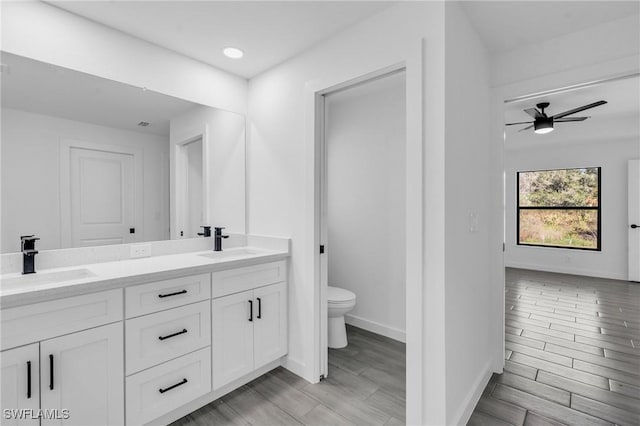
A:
(634, 226)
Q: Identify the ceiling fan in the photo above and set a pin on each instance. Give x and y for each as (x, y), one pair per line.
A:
(544, 124)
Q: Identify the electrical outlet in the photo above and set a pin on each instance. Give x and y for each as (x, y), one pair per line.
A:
(140, 250)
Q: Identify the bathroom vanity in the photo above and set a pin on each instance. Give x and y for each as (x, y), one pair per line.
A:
(143, 340)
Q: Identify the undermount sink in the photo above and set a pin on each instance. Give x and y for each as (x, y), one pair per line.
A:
(236, 253)
(47, 277)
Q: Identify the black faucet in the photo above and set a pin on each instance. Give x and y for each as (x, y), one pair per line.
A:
(217, 242)
(28, 246)
(206, 231)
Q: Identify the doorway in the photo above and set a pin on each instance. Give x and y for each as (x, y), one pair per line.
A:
(362, 227)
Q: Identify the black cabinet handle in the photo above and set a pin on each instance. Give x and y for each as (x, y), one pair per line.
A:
(259, 308)
(634, 226)
(51, 371)
(173, 335)
(250, 310)
(28, 379)
(172, 294)
(173, 386)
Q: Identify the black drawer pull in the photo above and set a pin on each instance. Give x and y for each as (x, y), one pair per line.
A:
(250, 310)
(173, 386)
(173, 335)
(28, 379)
(172, 294)
(50, 371)
(259, 308)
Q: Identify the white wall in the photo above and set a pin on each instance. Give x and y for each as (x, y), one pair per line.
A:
(30, 175)
(365, 137)
(224, 170)
(281, 196)
(469, 295)
(48, 34)
(610, 154)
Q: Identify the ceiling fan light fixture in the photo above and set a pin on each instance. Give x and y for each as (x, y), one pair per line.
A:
(543, 125)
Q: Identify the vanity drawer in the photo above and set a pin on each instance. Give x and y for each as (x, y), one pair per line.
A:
(156, 338)
(241, 279)
(153, 297)
(161, 389)
(40, 321)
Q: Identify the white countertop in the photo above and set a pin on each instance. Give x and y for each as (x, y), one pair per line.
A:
(48, 284)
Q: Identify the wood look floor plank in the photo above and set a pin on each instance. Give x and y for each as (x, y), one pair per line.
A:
(551, 409)
(593, 392)
(536, 388)
(502, 410)
(540, 354)
(388, 403)
(354, 410)
(534, 419)
(581, 376)
(395, 422)
(604, 411)
(391, 383)
(357, 386)
(478, 418)
(599, 336)
(512, 330)
(520, 369)
(611, 373)
(625, 389)
(565, 323)
(525, 341)
(563, 342)
(540, 330)
(594, 359)
(288, 398)
(256, 409)
(322, 416)
(217, 413)
(633, 359)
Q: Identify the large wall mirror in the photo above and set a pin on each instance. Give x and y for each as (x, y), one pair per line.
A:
(88, 161)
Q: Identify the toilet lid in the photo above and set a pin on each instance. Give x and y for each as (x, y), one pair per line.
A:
(337, 294)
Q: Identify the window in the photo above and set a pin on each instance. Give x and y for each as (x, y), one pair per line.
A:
(559, 208)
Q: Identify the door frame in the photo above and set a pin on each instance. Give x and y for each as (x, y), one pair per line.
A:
(65, 184)
(633, 202)
(322, 163)
(178, 163)
(560, 81)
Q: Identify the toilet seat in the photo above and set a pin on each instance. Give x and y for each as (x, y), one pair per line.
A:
(339, 296)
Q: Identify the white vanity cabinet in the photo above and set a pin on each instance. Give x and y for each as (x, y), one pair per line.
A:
(20, 383)
(249, 328)
(72, 375)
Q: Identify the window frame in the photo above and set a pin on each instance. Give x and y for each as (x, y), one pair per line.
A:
(598, 247)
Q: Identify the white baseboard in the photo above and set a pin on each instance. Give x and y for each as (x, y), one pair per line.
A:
(376, 327)
(566, 270)
(473, 396)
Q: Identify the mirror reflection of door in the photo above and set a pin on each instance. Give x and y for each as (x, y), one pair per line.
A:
(193, 189)
(102, 197)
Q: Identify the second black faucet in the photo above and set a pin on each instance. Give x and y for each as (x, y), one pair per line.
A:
(217, 239)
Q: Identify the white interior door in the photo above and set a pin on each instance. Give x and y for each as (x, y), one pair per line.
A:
(102, 191)
(194, 189)
(634, 220)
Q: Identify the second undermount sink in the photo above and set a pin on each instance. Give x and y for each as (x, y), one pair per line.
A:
(45, 277)
(234, 253)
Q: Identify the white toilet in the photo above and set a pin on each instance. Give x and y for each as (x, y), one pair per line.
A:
(340, 301)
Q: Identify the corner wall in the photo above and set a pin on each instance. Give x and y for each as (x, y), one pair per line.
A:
(469, 296)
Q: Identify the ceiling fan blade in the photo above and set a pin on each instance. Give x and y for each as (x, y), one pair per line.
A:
(522, 122)
(567, 119)
(533, 112)
(526, 128)
(582, 108)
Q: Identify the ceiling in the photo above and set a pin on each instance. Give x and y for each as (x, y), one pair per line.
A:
(41, 88)
(269, 32)
(505, 25)
(619, 118)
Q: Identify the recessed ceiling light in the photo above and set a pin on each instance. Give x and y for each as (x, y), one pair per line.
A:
(233, 52)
